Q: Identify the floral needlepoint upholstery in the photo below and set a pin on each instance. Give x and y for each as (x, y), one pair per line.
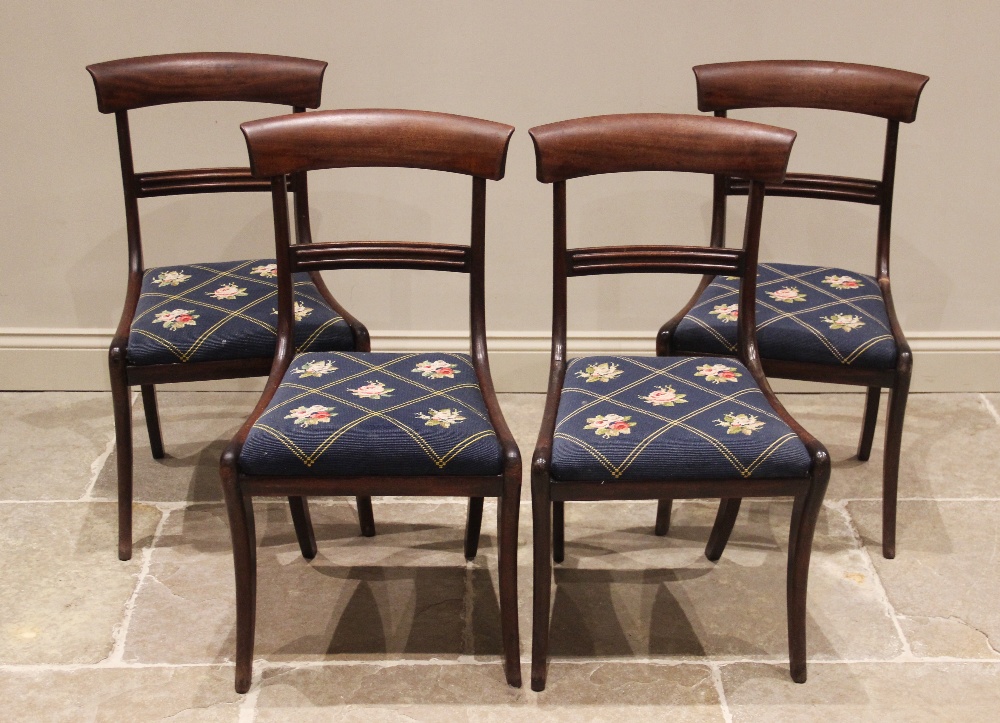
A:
(804, 313)
(655, 418)
(375, 413)
(202, 312)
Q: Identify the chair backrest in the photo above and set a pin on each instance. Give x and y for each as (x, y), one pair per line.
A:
(296, 144)
(123, 85)
(659, 142)
(865, 89)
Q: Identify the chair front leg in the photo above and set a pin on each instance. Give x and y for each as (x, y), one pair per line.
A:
(366, 516)
(663, 510)
(558, 531)
(509, 510)
(152, 412)
(541, 511)
(473, 524)
(725, 520)
(239, 507)
(868, 426)
(805, 512)
(302, 521)
(890, 465)
(122, 404)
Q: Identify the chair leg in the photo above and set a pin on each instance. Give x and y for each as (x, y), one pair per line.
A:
(473, 524)
(241, 527)
(725, 520)
(303, 526)
(868, 426)
(366, 516)
(890, 464)
(123, 452)
(149, 406)
(509, 509)
(663, 509)
(805, 512)
(558, 531)
(541, 511)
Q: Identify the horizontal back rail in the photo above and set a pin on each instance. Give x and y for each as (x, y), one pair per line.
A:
(370, 138)
(807, 185)
(201, 180)
(660, 142)
(380, 255)
(867, 89)
(590, 261)
(186, 77)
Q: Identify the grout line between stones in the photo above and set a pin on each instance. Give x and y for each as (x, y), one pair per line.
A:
(727, 715)
(248, 706)
(990, 408)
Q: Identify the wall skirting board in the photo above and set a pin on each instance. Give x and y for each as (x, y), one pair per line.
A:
(76, 359)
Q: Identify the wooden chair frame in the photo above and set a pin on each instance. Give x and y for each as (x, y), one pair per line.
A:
(654, 142)
(131, 83)
(292, 145)
(864, 89)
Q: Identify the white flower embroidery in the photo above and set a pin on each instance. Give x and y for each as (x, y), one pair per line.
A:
(170, 278)
(603, 372)
(315, 369)
(268, 271)
(739, 423)
(442, 417)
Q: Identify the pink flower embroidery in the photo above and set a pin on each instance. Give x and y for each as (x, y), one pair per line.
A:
(227, 292)
(718, 373)
(439, 369)
(610, 425)
(268, 271)
(842, 282)
(371, 390)
(726, 312)
(788, 295)
(664, 397)
(309, 416)
(176, 319)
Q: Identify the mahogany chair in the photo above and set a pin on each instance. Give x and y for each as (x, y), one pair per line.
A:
(815, 323)
(635, 427)
(200, 321)
(366, 423)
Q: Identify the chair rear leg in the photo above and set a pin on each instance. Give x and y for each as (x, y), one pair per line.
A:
(303, 526)
(120, 398)
(473, 524)
(541, 511)
(663, 510)
(805, 512)
(509, 506)
(366, 516)
(241, 527)
(149, 406)
(890, 469)
(725, 520)
(868, 426)
(558, 531)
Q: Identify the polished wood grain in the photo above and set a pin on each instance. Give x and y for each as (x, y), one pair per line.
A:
(373, 138)
(625, 143)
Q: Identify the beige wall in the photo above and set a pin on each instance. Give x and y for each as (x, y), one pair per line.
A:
(525, 63)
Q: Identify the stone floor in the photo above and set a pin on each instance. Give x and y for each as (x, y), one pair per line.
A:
(400, 627)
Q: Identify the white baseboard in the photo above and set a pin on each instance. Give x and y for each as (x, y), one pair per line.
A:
(76, 359)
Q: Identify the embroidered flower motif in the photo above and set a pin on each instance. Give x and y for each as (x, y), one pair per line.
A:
(441, 417)
(315, 369)
(436, 369)
(610, 425)
(171, 278)
(718, 373)
(847, 322)
(227, 292)
(309, 416)
(732, 278)
(726, 312)
(301, 311)
(788, 295)
(268, 271)
(603, 372)
(842, 282)
(372, 390)
(664, 397)
(176, 319)
(739, 423)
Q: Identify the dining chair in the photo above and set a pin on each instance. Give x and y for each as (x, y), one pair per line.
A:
(651, 427)
(814, 323)
(202, 321)
(364, 423)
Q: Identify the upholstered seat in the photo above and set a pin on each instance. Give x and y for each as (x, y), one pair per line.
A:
(655, 418)
(203, 312)
(804, 313)
(376, 413)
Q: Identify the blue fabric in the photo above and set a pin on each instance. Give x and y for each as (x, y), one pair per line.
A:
(218, 311)
(375, 413)
(657, 418)
(814, 314)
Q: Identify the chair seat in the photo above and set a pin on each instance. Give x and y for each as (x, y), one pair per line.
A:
(375, 413)
(659, 418)
(222, 311)
(813, 314)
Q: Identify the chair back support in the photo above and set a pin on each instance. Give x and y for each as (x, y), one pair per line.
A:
(659, 142)
(296, 144)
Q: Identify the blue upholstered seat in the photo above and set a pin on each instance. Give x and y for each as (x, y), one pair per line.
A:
(656, 418)
(375, 413)
(804, 313)
(217, 311)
